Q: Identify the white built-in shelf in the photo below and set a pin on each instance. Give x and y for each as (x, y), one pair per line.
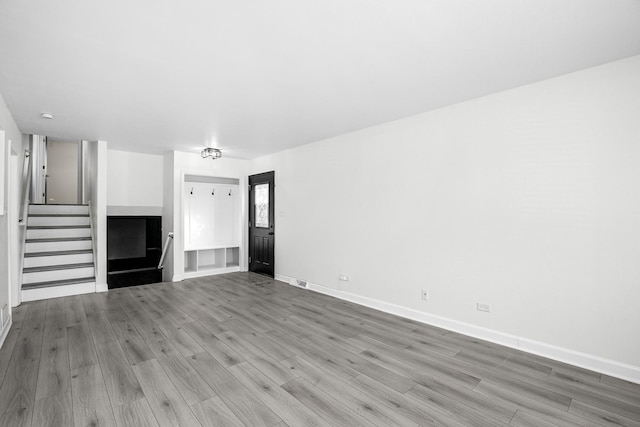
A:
(233, 257)
(202, 262)
(212, 225)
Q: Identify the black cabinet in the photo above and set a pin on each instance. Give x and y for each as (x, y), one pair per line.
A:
(134, 247)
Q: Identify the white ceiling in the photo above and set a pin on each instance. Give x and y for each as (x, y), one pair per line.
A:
(255, 77)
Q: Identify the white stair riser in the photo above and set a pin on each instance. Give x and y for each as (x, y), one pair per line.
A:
(58, 209)
(48, 276)
(58, 220)
(58, 291)
(58, 246)
(58, 233)
(43, 261)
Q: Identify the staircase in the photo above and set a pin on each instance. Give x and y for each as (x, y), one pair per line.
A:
(58, 258)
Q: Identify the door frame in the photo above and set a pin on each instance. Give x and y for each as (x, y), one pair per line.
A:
(269, 176)
(50, 145)
(39, 169)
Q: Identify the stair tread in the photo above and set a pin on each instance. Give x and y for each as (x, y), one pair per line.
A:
(56, 267)
(54, 253)
(52, 283)
(56, 204)
(55, 227)
(57, 239)
(44, 215)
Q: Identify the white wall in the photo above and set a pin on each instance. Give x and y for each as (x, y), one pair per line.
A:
(95, 193)
(135, 181)
(4, 149)
(176, 164)
(167, 213)
(526, 200)
(10, 141)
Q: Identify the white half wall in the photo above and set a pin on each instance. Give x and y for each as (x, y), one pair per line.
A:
(526, 200)
(167, 213)
(95, 179)
(16, 232)
(134, 179)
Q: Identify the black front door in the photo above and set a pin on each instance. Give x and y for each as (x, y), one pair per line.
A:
(261, 223)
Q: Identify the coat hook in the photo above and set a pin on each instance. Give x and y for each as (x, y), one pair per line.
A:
(229, 192)
(191, 190)
(213, 192)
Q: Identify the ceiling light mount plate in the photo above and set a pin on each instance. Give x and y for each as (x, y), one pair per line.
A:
(214, 153)
(46, 116)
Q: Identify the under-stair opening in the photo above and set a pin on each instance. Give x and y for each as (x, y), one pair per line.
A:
(134, 248)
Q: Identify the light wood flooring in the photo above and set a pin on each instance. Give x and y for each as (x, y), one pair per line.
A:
(241, 349)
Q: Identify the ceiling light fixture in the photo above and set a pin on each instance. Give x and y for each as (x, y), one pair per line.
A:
(46, 116)
(214, 153)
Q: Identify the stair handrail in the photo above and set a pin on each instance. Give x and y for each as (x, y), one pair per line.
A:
(27, 167)
(164, 250)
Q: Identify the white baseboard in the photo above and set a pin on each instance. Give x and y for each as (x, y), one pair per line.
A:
(58, 291)
(102, 287)
(561, 354)
(5, 331)
(203, 273)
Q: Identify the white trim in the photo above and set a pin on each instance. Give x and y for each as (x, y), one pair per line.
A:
(5, 331)
(134, 210)
(204, 273)
(99, 287)
(58, 291)
(584, 360)
(561, 354)
(93, 241)
(18, 287)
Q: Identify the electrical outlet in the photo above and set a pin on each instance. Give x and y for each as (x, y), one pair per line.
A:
(343, 278)
(425, 295)
(484, 307)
